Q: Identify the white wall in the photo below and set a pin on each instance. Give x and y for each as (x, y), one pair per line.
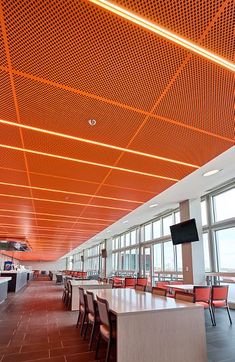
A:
(46, 265)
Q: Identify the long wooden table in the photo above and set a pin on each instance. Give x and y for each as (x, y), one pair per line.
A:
(86, 284)
(152, 328)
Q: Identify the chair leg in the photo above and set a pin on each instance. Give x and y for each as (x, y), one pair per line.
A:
(83, 323)
(97, 347)
(229, 315)
(108, 351)
(212, 316)
(79, 314)
(92, 337)
(86, 328)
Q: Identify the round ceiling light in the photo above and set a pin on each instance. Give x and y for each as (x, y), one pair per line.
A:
(211, 172)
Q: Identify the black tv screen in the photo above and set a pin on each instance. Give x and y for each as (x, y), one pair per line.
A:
(184, 232)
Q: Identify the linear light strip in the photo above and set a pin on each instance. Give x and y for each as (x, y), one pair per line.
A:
(64, 202)
(63, 135)
(80, 231)
(56, 215)
(165, 33)
(51, 220)
(69, 192)
(87, 162)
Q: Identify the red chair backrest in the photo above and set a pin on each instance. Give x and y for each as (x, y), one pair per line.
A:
(140, 288)
(159, 291)
(219, 292)
(142, 281)
(202, 294)
(162, 285)
(130, 282)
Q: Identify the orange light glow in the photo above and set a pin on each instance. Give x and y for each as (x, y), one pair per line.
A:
(69, 192)
(64, 202)
(164, 33)
(57, 215)
(86, 162)
(58, 134)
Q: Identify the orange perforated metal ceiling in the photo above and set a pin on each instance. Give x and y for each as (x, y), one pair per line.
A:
(161, 112)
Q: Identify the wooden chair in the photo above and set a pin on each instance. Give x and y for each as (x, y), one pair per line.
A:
(159, 291)
(82, 316)
(107, 327)
(92, 317)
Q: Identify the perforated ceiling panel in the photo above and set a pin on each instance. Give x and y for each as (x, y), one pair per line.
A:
(161, 112)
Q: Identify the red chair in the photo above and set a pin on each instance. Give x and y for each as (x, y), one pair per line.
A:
(142, 281)
(118, 282)
(186, 297)
(219, 299)
(163, 285)
(140, 288)
(159, 291)
(202, 296)
(129, 283)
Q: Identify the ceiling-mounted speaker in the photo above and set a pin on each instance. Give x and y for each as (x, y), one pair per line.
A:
(104, 253)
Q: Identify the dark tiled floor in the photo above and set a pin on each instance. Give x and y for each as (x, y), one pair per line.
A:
(34, 326)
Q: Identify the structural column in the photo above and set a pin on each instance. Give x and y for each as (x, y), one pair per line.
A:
(193, 253)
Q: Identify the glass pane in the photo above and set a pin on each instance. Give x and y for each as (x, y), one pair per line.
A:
(122, 260)
(168, 256)
(133, 259)
(147, 261)
(206, 252)
(226, 249)
(204, 213)
(133, 237)
(167, 222)
(113, 244)
(177, 217)
(179, 257)
(157, 229)
(127, 258)
(224, 205)
(127, 239)
(116, 262)
(113, 262)
(122, 241)
(117, 243)
(157, 258)
(147, 232)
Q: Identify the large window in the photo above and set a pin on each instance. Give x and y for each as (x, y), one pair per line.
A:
(169, 263)
(206, 252)
(224, 205)
(225, 241)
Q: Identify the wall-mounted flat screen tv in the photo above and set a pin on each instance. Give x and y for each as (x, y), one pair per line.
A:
(184, 232)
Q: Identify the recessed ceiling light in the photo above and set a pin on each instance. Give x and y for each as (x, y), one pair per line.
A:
(92, 122)
(125, 221)
(211, 172)
(153, 205)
